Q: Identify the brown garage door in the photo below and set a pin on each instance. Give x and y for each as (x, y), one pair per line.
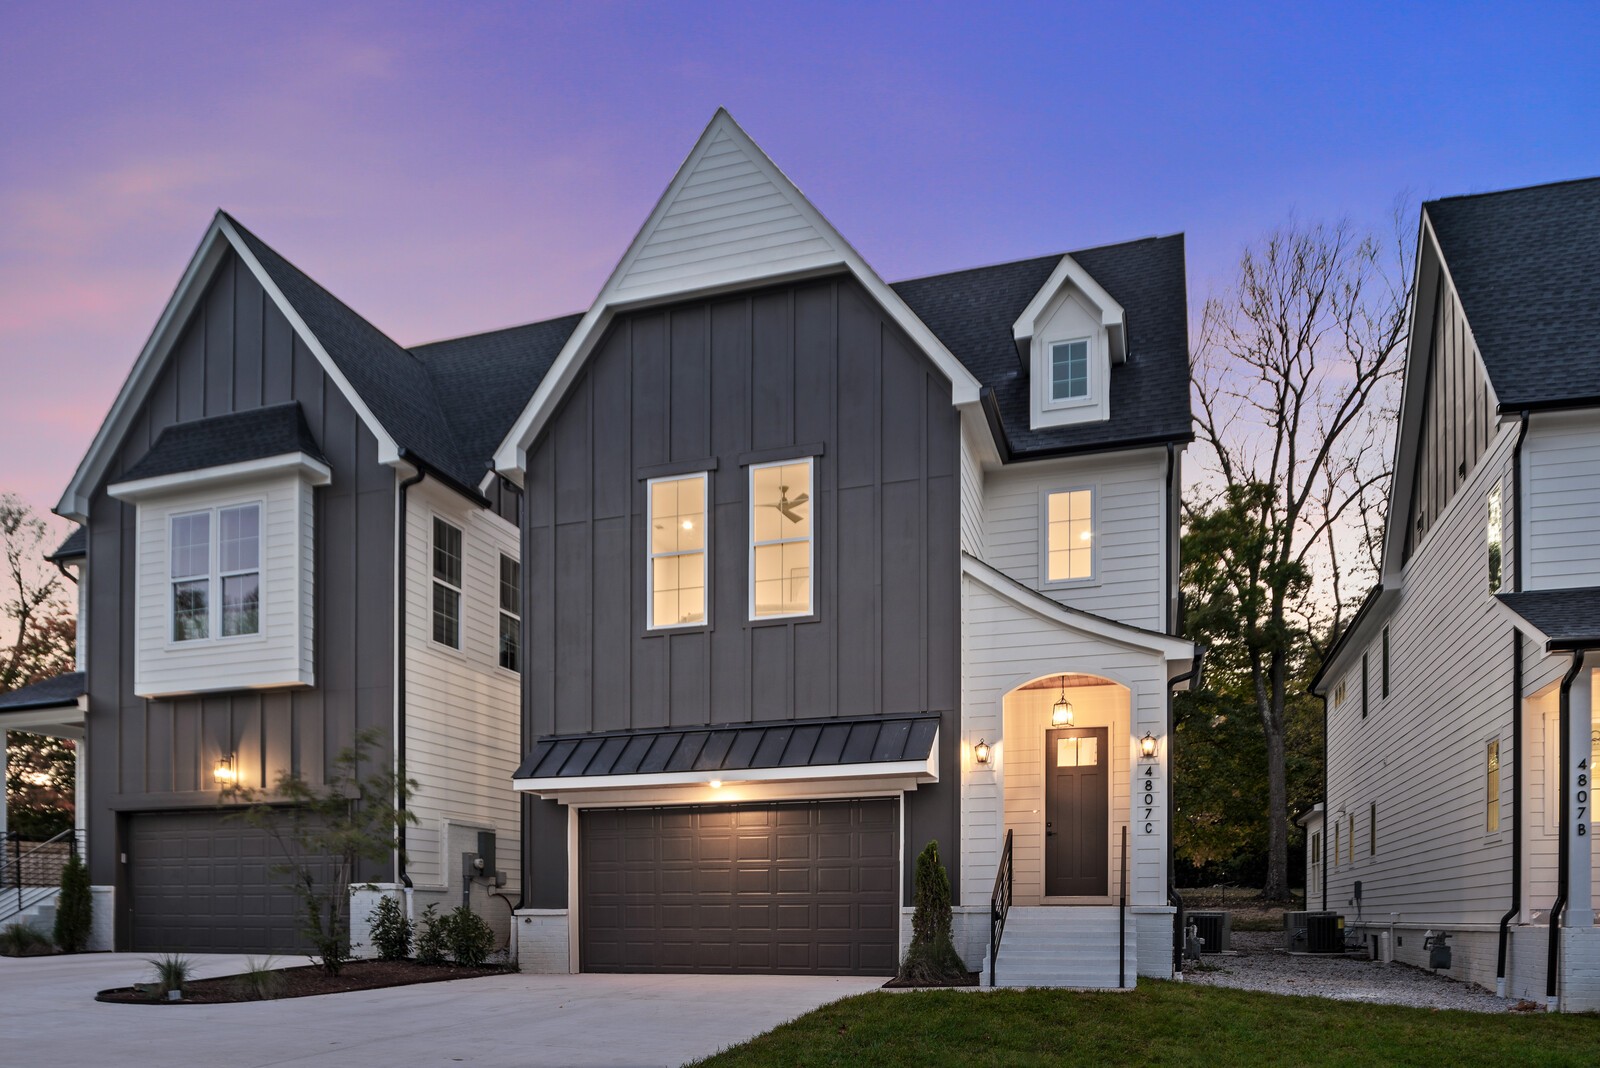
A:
(200, 883)
(797, 888)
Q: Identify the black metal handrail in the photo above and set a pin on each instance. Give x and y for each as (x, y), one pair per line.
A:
(999, 904)
(1122, 917)
(31, 871)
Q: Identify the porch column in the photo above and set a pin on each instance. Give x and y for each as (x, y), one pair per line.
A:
(5, 765)
(1580, 837)
(80, 787)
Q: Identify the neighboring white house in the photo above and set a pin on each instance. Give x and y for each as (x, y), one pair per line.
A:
(1460, 702)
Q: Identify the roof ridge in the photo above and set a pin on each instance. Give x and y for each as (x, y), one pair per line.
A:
(1035, 259)
(1513, 189)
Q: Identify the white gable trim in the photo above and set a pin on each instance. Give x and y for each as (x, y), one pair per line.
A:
(219, 238)
(1174, 650)
(1112, 317)
(630, 285)
(313, 471)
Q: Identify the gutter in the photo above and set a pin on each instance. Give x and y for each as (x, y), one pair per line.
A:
(1516, 813)
(401, 875)
(1564, 847)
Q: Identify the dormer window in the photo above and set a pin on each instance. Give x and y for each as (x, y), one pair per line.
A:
(1069, 370)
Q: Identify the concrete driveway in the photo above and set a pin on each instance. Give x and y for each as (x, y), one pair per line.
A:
(48, 1016)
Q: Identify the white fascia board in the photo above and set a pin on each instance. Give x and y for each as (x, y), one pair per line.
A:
(219, 238)
(900, 771)
(1112, 317)
(313, 471)
(1176, 651)
(388, 448)
(510, 457)
(1353, 642)
(1514, 619)
(65, 721)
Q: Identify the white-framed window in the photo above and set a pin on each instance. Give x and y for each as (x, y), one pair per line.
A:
(1069, 540)
(1340, 691)
(677, 564)
(1069, 371)
(1350, 839)
(1336, 842)
(1496, 537)
(217, 550)
(510, 613)
(781, 525)
(446, 583)
(1491, 784)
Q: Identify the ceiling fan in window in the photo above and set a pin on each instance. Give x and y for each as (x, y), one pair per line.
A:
(786, 507)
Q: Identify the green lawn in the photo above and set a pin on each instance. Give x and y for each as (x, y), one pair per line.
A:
(1158, 1024)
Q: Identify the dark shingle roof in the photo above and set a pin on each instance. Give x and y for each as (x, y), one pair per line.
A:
(1526, 263)
(972, 312)
(808, 743)
(227, 439)
(48, 693)
(483, 381)
(1568, 618)
(76, 545)
(393, 383)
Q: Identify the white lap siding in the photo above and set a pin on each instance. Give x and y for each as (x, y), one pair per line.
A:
(1561, 460)
(1420, 754)
(1129, 530)
(462, 708)
(972, 478)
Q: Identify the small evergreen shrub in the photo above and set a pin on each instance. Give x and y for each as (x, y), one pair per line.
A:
(469, 937)
(931, 959)
(391, 929)
(74, 907)
(431, 936)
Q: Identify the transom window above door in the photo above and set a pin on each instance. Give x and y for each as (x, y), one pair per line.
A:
(781, 527)
(1069, 370)
(678, 551)
(1069, 536)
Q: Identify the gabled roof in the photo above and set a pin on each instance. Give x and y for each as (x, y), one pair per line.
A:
(1526, 265)
(75, 547)
(1567, 619)
(974, 312)
(227, 439)
(57, 692)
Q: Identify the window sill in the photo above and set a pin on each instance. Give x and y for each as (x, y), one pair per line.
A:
(1063, 585)
(781, 621)
(217, 643)
(687, 628)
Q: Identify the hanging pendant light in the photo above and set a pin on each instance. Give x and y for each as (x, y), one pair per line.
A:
(1061, 714)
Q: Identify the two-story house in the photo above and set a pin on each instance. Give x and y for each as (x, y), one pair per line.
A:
(820, 569)
(1460, 703)
(800, 571)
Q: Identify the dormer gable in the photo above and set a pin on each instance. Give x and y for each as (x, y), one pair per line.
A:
(1068, 338)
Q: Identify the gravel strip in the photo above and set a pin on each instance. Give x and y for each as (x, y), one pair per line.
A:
(1261, 965)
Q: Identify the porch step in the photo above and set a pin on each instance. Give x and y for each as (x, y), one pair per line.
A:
(39, 912)
(1066, 946)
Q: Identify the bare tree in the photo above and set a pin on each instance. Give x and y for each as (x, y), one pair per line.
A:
(1296, 370)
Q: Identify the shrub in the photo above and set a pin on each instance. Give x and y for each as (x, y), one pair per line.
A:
(431, 936)
(74, 907)
(469, 937)
(20, 940)
(172, 972)
(260, 980)
(931, 959)
(391, 930)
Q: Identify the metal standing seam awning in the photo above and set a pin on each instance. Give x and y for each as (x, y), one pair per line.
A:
(867, 747)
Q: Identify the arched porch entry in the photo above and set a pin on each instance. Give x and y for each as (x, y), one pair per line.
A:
(1067, 745)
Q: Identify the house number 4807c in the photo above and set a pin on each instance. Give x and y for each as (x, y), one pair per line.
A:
(1147, 798)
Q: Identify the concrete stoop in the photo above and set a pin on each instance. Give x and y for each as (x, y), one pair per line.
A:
(1066, 946)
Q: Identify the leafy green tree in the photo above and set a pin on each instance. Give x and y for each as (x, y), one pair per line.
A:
(324, 832)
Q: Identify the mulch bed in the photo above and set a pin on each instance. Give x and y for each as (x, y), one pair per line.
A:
(901, 984)
(306, 981)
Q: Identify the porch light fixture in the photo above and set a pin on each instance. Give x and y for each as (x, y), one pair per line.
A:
(980, 752)
(715, 784)
(1061, 714)
(1147, 746)
(224, 771)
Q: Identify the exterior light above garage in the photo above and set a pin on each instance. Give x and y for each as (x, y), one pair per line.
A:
(224, 771)
(1061, 714)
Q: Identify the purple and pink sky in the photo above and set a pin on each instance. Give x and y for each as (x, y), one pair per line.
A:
(447, 168)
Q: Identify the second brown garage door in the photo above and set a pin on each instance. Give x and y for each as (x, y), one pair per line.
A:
(792, 888)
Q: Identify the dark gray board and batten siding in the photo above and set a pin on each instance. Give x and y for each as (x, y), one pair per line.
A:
(714, 380)
(239, 353)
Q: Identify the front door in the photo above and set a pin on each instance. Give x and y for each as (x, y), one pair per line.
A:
(1077, 789)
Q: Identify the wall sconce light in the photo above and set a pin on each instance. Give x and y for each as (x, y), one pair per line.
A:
(715, 784)
(981, 752)
(1147, 746)
(1061, 714)
(224, 772)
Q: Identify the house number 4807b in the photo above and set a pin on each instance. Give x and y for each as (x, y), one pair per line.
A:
(1147, 777)
(1581, 799)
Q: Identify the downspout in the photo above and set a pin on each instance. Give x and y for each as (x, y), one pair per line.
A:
(1516, 813)
(401, 875)
(1564, 848)
(1327, 811)
(1172, 527)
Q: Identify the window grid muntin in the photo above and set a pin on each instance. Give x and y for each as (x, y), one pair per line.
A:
(1069, 370)
(447, 553)
(239, 569)
(1491, 811)
(1069, 535)
(1496, 538)
(671, 547)
(789, 551)
(189, 566)
(509, 650)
